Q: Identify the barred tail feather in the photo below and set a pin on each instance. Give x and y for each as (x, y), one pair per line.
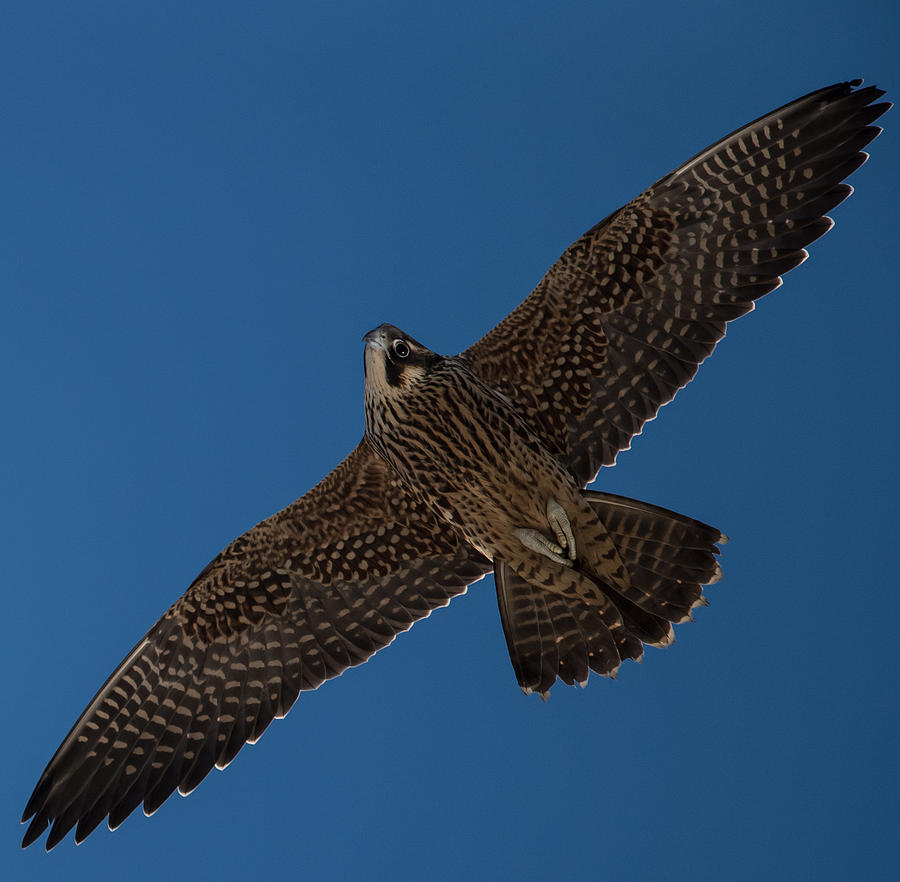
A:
(552, 635)
(669, 556)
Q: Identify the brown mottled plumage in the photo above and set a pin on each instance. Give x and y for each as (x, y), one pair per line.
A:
(477, 462)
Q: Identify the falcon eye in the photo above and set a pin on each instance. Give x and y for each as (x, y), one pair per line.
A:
(401, 348)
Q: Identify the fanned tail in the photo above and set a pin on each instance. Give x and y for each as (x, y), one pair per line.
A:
(588, 625)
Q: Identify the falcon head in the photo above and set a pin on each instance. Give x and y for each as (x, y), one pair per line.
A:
(394, 361)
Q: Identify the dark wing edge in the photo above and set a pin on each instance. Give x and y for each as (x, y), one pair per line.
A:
(315, 589)
(625, 317)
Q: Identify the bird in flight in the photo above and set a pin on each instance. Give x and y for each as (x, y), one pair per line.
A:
(476, 463)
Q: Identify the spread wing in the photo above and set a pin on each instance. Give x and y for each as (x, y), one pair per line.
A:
(313, 590)
(625, 317)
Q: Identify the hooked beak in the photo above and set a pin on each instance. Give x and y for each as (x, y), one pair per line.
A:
(376, 338)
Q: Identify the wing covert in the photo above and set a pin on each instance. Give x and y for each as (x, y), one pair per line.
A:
(629, 311)
(311, 591)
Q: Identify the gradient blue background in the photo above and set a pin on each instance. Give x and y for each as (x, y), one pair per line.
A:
(205, 205)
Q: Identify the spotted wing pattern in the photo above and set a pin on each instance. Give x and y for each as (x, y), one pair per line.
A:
(625, 317)
(298, 599)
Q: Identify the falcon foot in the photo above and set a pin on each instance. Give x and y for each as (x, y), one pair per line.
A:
(559, 523)
(538, 542)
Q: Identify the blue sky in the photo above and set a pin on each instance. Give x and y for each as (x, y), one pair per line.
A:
(204, 209)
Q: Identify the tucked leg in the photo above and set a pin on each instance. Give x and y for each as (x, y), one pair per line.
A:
(559, 523)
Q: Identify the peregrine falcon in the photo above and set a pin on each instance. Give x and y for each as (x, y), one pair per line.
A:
(476, 463)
